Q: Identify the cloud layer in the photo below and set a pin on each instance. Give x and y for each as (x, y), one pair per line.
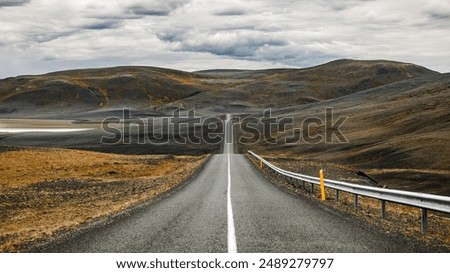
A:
(44, 35)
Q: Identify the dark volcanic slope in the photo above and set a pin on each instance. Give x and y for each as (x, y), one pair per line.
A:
(150, 89)
(284, 87)
(399, 132)
(94, 89)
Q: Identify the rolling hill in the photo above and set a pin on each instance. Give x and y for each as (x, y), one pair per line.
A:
(155, 89)
(398, 132)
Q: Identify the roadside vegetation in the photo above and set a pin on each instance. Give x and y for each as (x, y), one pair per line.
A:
(48, 192)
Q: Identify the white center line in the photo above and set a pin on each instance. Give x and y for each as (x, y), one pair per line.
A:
(232, 246)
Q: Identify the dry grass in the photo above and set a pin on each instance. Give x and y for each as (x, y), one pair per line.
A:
(399, 219)
(47, 191)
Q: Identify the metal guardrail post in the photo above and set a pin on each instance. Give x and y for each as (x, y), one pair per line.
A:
(424, 222)
(383, 209)
(356, 200)
(337, 195)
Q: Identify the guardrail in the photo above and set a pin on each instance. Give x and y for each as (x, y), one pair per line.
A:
(420, 200)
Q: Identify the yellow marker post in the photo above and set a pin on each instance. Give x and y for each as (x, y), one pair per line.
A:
(322, 185)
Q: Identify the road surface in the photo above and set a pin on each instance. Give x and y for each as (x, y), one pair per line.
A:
(231, 207)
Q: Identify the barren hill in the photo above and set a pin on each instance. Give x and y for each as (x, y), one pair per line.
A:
(399, 133)
(152, 89)
(92, 89)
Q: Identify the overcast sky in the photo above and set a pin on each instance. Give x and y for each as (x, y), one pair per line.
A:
(39, 36)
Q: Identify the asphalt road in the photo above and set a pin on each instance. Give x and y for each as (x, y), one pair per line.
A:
(231, 207)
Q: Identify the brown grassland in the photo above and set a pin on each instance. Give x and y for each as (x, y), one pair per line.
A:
(45, 192)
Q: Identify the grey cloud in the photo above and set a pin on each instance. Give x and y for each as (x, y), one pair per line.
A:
(172, 36)
(294, 56)
(49, 58)
(115, 17)
(13, 3)
(439, 14)
(243, 43)
(155, 8)
(339, 5)
(102, 25)
(139, 10)
(241, 26)
(50, 36)
(233, 11)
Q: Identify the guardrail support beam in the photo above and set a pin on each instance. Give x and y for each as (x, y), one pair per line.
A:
(337, 195)
(383, 209)
(424, 224)
(356, 200)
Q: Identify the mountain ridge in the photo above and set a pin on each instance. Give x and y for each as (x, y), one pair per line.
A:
(149, 88)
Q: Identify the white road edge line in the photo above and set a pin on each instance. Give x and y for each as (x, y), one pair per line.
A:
(232, 246)
(43, 130)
